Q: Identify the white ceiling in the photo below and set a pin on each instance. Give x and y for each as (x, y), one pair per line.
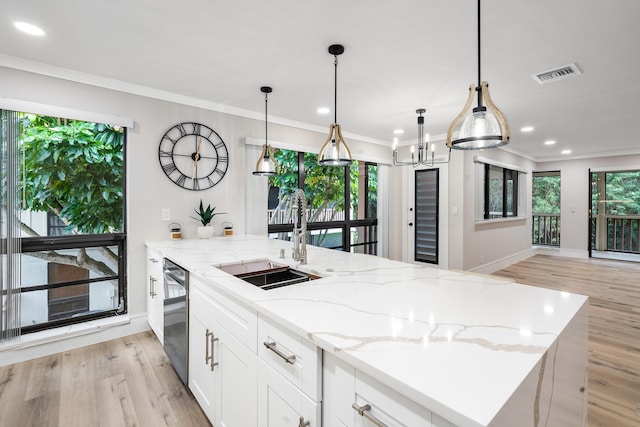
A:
(399, 56)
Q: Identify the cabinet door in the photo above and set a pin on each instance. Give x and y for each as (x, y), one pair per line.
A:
(281, 404)
(201, 364)
(155, 293)
(236, 382)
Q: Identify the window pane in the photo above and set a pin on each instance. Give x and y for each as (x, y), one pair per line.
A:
(282, 186)
(328, 238)
(496, 189)
(511, 188)
(65, 265)
(73, 177)
(622, 195)
(42, 306)
(324, 187)
(372, 191)
(364, 239)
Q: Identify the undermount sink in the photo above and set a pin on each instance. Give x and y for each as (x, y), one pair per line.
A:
(266, 274)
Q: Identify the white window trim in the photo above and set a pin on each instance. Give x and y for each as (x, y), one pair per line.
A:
(69, 113)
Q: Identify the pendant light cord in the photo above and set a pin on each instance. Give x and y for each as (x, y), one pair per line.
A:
(266, 140)
(479, 89)
(335, 89)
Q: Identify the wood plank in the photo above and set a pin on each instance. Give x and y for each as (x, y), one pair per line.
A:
(124, 382)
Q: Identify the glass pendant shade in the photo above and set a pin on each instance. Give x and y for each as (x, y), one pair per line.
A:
(485, 126)
(334, 152)
(266, 166)
(479, 130)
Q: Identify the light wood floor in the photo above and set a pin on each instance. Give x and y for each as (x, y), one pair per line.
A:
(125, 382)
(613, 288)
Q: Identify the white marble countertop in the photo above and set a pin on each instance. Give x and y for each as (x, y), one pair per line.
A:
(457, 343)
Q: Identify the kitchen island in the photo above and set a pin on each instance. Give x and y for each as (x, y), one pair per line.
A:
(475, 350)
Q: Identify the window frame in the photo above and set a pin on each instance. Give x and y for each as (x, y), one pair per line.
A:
(79, 241)
(482, 214)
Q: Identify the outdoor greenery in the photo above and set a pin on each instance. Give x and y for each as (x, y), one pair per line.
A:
(623, 193)
(545, 194)
(74, 169)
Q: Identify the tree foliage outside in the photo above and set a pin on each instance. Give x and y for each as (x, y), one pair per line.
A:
(545, 194)
(74, 169)
(623, 193)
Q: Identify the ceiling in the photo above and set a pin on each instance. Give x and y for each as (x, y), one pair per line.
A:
(399, 56)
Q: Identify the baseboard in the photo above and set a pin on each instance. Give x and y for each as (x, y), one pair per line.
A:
(555, 251)
(51, 341)
(503, 262)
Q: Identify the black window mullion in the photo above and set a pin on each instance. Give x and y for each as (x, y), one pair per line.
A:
(487, 181)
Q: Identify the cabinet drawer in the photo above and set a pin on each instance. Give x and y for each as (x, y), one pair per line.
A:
(238, 319)
(379, 402)
(295, 358)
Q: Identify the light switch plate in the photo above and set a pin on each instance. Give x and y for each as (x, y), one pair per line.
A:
(166, 214)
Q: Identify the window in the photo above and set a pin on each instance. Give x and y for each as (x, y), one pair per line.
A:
(342, 210)
(545, 208)
(500, 190)
(69, 219)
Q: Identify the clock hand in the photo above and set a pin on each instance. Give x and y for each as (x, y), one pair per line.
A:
(196, 157)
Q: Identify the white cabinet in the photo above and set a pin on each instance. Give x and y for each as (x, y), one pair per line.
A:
(289, 378)
(354, 399)
(222, 370)
(155, 293)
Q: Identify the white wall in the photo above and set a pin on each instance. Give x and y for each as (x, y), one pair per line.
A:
(148, 189)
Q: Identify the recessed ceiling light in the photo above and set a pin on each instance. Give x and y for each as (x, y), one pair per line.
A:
(398, 131)
(526, 129)
(29, 28)
(323, 110)
(566, 152)
(549, 142)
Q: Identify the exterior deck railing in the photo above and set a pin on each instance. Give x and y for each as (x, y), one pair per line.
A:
(621, 233)
(546, 229)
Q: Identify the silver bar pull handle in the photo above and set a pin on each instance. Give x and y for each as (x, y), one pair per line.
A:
(206, 347)
(303, 423)
(152, 286)
(213, 362)
(364, 411)
(272, 346)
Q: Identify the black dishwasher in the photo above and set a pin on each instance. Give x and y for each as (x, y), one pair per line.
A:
(176, 315)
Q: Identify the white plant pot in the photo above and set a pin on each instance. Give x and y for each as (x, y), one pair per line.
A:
(205, 232)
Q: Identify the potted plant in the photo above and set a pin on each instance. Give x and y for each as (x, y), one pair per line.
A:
(205, 215)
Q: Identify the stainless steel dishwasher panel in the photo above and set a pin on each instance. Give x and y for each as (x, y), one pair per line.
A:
(176, 315)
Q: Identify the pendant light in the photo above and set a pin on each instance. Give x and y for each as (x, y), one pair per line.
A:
(486, 126)
(335, 152)
(266, 165)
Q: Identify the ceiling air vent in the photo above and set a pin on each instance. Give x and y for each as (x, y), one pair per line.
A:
(556, 74)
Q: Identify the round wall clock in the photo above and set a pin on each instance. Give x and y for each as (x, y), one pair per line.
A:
(193, 156)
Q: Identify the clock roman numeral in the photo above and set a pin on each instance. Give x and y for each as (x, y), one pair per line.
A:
(196, 184)
(223, 159)
(165, 154)
(196, 128)
(169, 168)
(219, 172)
(181, 180)
(182, 130)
